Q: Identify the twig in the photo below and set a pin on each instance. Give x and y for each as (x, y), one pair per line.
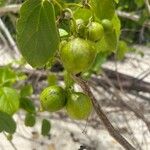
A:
(134, 110)
(9, 37)
(15, 8)
(131, 16)
(133, 138)
(9, 8)
(12, 144)
(113, 132)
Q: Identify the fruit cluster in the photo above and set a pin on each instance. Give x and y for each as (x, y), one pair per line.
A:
(79, 52)
(77, 104)
(77, 55)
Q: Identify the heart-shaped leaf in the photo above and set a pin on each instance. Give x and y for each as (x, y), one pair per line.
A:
(37, 35)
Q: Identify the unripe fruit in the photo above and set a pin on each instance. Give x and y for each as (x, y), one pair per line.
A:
(78, 55)
(95, 31)
(78, 106)
(107, 25)
(53, 98)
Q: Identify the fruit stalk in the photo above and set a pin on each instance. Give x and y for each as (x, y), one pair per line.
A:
(102, 116)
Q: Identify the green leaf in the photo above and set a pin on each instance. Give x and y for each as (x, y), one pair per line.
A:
(7, 123)
(122, 49)
(27, 105)
(116, 25)
(27, 90)
(82, 13)
(46, 126)
(108, 43)
(37, 34)
(100, 59)
(104, 9)
(9, 100)
(62, 32)
(7, 76)
(30, 120)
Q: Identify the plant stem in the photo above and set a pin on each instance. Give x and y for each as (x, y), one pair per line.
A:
(73, 20)
(74, 4)
(102, 116)
(12, 144)
(57, 3)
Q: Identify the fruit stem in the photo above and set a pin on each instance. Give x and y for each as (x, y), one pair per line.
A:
(58, 4)
(73, 21)
(69, 82)
(74, 4)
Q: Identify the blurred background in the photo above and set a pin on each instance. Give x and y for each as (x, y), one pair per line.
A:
(122, 87)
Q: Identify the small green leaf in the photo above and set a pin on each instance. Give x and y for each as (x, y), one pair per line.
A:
(27, 90)
(83, 13)
(104, 9)
(27, 105)
(30, 120)
(7, 76)
(37, 34)
(122, 49)
(7, 123)
(46, 126)
(62, 32)
(108, 43)
(100, 59)
(9, 100)
(116, 25)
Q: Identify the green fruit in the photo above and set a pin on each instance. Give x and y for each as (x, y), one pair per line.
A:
(95, 31)
(107, 25)
(53, 98)
(78, 55)
(78, 106)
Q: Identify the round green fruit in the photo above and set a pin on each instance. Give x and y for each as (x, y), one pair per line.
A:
(78, 106)
(95, 31)
(78, 55)
(53, 98)
(107, 25)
